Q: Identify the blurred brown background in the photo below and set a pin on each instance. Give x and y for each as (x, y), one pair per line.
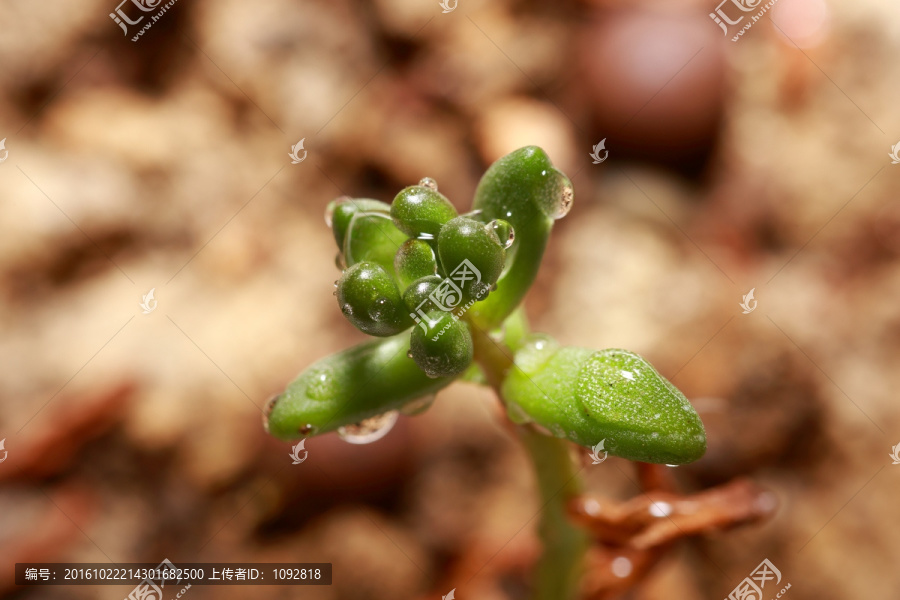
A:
(163, 163)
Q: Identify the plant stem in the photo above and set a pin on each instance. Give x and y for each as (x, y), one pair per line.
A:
(558, 574)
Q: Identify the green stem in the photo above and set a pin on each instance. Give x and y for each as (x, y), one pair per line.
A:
(557, 575)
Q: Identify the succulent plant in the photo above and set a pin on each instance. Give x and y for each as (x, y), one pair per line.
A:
(430, 280)
(443, 292)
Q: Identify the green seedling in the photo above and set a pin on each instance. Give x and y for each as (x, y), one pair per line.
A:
(443, 290)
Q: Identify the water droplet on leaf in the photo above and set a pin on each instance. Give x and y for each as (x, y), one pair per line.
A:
(565, 199)
(505, 232)
(267, 410)
(370, 430)
(329, 212)
(429, 183)
(322, 385)
(380, 309)
(417, 407)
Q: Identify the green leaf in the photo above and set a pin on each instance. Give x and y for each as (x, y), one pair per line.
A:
(414, 259)
(441, 345)
(614, 395)
(524, 189)
(349, 387)
(418, 292)
(420, 211)
(372, 237)
(339, 212)
(464, 240)
(369, 298)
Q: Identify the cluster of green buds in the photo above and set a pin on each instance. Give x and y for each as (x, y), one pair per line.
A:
(426, 280)
(416, 261)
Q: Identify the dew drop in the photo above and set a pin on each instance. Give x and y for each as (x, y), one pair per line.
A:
(417, 407)
(621, 567)
(564, 203)
(536, 351)
(321, 385)
(429, 183)
(504, 231)
(380, 309)
(267, 410)
(369, 430)
(339, 261)
(347, 309)
(409, 354)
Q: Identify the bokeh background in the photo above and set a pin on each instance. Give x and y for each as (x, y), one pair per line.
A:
(163, 163)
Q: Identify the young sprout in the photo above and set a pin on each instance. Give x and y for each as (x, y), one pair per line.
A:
(433, 284)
